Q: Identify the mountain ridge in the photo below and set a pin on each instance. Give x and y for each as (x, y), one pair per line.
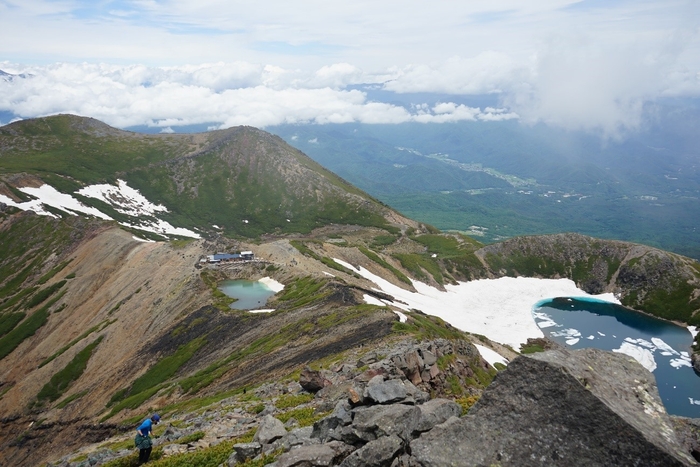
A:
(154, 332)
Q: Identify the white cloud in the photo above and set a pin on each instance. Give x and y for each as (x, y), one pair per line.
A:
(485, 73)
(590, 87)
(577, 64)
(173, 96)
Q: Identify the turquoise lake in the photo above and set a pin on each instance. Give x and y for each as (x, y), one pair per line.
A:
(250, 294)
(663, 346)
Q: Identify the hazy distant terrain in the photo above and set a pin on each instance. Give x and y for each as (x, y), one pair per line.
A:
(502, 179)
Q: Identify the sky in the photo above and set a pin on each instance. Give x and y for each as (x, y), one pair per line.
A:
(592, 65)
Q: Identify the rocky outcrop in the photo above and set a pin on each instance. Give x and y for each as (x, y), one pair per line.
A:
(407, 370)
(559, 407)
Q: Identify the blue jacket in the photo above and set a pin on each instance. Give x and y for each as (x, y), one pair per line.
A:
(146, 427)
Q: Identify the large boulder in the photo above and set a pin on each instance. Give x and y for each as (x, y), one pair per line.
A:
(312, 380)
(436, 411)
(270, 429)
(378, 453)
(318, 455)
(385, 392)
(370, 423)
(560, 408)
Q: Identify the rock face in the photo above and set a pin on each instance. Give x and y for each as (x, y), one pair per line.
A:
(557, 408)
(560, 408)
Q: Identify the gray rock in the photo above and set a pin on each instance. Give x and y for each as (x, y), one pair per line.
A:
(560, 408)
(378, 453)
(370, 373)
(385, 392)
(326, 428)
(291, 423)
(370, 423)
(298, 437)
(330, 395)
(688, 434)
(294, 388)
(269, 430)
(403, 460)
(436, 411)
(414, 395)
(171, 434)
(429, 358)
(244, 451)
(367, 359)
(276, 445)
(319, 455)
(414, 367)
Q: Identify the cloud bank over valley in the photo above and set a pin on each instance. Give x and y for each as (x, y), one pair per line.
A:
(579, 65)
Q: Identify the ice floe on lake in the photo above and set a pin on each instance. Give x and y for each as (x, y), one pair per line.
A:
(639, 353)
(571, 335)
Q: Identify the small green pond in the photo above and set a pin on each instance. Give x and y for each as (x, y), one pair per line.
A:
(249, 294)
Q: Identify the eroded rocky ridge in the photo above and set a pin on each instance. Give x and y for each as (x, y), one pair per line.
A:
(560, 407)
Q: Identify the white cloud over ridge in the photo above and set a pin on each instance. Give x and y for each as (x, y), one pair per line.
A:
(578, 64)
(168, 97)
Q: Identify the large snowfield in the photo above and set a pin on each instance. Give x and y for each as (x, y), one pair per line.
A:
(500, 309)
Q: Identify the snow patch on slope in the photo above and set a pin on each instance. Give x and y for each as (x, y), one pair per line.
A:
(122, 198)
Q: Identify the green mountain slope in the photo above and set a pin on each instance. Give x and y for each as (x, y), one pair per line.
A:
(243, 180)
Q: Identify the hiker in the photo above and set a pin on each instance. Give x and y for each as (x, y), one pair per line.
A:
(143, 438)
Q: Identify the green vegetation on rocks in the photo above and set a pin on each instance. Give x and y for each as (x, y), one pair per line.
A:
(289, 400)
(61, 381)
(673, 304)
(381, 241)
(63, 349)
(26, 244)
(531, 348)
(71, 398)
(303, 291)
(45, 278)
(423, 326)
(377, 259)
(43, 294)
(8, 322)
(418, 264)
(150, 382)
(25, 329)
(221, 300)
(305, 250)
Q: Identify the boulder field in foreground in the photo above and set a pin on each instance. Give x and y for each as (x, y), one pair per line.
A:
(557, 408)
